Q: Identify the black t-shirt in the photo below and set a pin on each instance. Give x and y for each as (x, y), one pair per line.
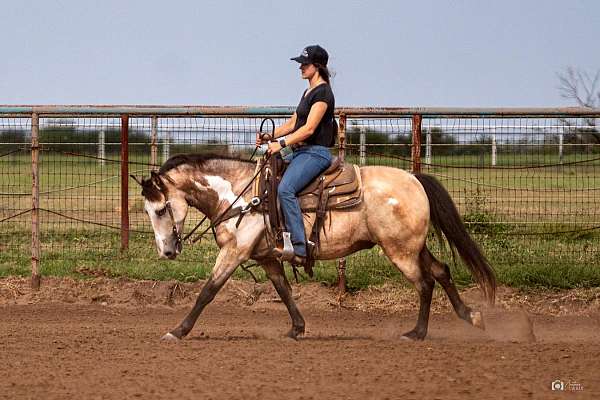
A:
(325, 132)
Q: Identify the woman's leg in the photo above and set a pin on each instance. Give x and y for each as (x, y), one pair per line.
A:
(304, 167)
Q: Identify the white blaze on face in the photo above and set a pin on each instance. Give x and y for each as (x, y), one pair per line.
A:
(159, 236)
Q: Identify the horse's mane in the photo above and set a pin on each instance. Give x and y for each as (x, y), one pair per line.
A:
(198, 159)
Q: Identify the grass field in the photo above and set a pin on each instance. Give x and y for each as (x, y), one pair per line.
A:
(559, 262)
(499, 206)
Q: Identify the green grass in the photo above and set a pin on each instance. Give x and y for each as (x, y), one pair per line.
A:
(522, 262)
(496, 203)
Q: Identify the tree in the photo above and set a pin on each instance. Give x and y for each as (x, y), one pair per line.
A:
(578, 85)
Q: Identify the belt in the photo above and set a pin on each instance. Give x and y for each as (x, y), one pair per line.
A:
(296, 146)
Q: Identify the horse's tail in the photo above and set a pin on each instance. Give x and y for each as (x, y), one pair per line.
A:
(445, 218)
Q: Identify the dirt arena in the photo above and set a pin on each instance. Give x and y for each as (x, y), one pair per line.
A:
(99, 339)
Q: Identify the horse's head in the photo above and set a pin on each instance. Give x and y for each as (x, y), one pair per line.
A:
(167, 208)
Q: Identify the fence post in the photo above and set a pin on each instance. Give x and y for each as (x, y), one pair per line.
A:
(341, 267)
(124, 182)
(428, 147)
(342, 137)
(416, 143)
(561, 140)
(494, 150)
(154, 143)
(35, 202)
(101, 146)
(362, 150)
(166, 145)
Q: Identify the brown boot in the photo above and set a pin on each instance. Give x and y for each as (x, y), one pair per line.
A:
(306, 263)
(298, 261)
(277, 252)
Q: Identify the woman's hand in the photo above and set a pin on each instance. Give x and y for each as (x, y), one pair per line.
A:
(274, 148)
(259, 140)
(262, 138)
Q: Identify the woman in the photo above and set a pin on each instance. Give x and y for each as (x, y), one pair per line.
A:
(310, 131)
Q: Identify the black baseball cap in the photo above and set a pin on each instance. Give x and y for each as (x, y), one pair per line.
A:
(313, 55)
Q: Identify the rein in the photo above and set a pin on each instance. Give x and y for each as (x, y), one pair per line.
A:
(233, 212)
(229, 212)
(238, 210)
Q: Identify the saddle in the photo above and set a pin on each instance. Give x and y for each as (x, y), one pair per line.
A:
(338, 187)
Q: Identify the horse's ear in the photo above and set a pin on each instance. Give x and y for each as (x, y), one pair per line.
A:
(155, 178)
(168, 178)
(138, 181)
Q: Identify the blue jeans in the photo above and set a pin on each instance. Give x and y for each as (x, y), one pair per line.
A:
(306, 164)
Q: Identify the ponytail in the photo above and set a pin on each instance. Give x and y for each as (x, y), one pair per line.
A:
(323, 72)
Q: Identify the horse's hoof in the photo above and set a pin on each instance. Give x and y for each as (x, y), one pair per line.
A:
(477, 320)
(169, 337)
(413, 336)
(295, 332)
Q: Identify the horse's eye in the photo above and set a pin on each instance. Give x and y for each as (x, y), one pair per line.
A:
(161, 212)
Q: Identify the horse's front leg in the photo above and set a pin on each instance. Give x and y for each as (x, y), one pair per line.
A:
(227, 261)
(236, 245)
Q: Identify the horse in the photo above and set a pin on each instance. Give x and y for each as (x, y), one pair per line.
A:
(396, 212)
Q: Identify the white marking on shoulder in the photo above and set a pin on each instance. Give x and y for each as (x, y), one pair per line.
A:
(224, 189)
(392, 201)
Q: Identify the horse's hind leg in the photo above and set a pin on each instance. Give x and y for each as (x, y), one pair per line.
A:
(441, 273)
(277, 276)
(411, 267)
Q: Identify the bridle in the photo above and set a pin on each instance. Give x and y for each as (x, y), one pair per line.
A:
(176, 233)
(229, 213)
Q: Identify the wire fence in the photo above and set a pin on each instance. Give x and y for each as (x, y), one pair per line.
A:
(525, 182)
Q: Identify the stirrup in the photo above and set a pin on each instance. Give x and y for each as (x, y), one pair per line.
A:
(288, 249)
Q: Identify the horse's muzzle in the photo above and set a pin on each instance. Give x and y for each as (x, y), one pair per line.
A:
(171, 255)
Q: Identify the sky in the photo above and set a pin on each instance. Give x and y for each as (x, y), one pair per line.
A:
(383, 53)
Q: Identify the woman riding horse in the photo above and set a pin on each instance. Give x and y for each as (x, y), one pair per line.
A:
(310, 131)
(395, 213)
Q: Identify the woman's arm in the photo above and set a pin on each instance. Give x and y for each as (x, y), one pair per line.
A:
(281, 130)
(315, 116)
(286, 127)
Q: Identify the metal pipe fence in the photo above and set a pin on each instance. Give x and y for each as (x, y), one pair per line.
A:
(526, 181)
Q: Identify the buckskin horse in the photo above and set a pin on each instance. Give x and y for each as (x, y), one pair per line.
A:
(395, 213)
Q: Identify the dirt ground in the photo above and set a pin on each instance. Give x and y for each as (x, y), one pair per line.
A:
(99, 339)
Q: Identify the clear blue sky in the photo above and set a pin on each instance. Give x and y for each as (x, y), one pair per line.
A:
(384, 53)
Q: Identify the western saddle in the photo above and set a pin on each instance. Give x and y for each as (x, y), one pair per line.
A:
(339, 187)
